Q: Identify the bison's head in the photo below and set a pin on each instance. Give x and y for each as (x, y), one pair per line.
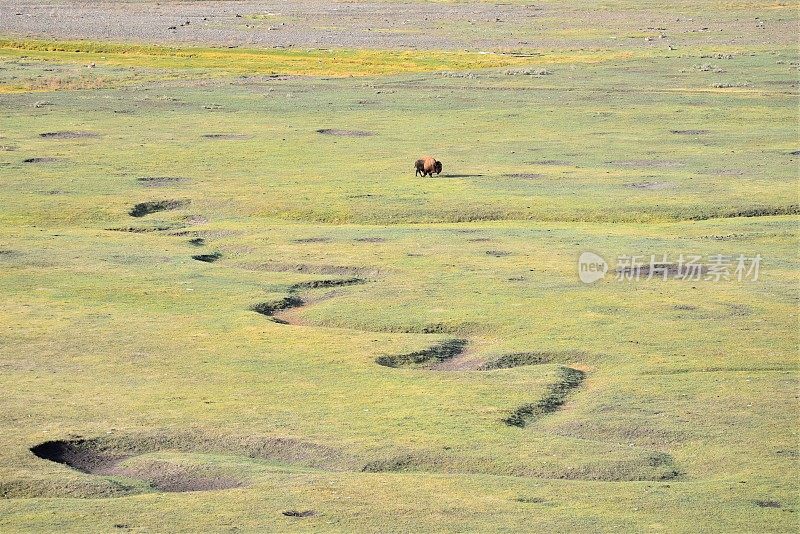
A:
(437, 167)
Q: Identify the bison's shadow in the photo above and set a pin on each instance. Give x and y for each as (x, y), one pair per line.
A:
(461, 175)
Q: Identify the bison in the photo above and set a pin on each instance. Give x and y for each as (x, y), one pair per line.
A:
(427, 166)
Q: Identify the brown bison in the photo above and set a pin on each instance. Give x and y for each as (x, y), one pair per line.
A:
(427, 166)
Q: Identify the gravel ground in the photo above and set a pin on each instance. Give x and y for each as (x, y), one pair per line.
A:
(392, 25)
(265, 23)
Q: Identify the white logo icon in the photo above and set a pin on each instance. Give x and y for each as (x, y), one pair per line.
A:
(591, 267)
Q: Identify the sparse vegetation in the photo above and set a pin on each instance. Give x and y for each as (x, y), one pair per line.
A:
(422, 356)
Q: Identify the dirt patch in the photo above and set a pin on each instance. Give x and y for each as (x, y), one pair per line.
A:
(168, 477)
(652, 186)
(160, 181)
(689, 132)
(226, 136)
(86, 457)
(426, 357)
(370, 239)
(79, 454)
(767, 504)
(145, 208)
(44, 159)
(207, 258)
(498, 253)
(68, 135)
(270, 308)
(197, 241)
(568, 380)
(296, 513)
(312, 240)
(7, 148)
(345, 133)
(524, 175)
(119, 455)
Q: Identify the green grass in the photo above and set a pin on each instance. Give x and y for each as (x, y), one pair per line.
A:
(685, 417)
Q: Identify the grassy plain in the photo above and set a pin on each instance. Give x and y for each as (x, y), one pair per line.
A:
(686, 418)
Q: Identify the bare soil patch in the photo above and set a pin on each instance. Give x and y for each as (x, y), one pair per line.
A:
(270, 308)
(145, 208)
(85, 456)
(69, 135)
(226, 136)
(312, 240)
(160, 181)
(689, 132)
(79, 454)
(498, 253)
(115, 456)
(296, 513)
(370, 239)
(168, 477)
(345, 133)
